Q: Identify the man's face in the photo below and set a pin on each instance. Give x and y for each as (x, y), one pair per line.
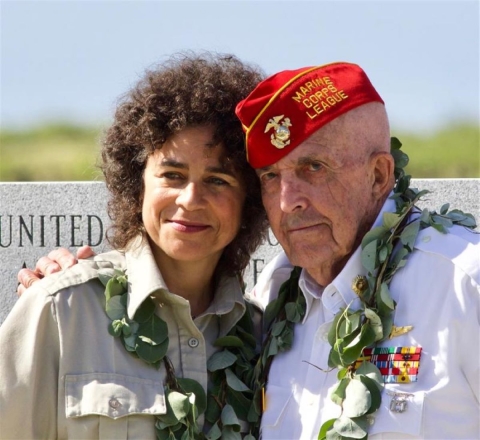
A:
(319, 199)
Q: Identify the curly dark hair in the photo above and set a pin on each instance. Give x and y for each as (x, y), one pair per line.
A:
(187, 90)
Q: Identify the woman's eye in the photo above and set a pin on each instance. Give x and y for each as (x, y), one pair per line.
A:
(172, 176)
(217, 181)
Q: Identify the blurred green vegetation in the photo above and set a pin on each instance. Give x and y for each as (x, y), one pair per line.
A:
(65, 152)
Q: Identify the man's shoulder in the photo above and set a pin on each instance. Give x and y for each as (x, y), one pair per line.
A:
(459, 245)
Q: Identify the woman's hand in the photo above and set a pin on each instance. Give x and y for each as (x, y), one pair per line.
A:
(55, 261)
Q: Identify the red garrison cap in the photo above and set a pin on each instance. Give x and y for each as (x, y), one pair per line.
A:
(287, 108)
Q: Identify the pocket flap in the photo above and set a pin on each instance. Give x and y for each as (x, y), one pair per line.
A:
(112, 395)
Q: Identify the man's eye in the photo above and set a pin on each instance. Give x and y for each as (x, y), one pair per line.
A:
(265, 177)
(315, 166)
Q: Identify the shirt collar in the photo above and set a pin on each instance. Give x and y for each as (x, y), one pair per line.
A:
(338, 294)
(145, 279)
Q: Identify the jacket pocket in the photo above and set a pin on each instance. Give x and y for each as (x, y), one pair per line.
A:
(112, 395)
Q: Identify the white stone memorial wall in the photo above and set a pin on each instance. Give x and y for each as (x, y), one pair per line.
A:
(37, 217)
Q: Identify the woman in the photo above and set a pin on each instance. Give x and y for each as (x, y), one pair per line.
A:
(117, 347)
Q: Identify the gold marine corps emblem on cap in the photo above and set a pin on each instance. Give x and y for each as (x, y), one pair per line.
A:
(280, 138)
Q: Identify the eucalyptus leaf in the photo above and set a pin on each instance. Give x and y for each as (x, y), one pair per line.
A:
(229, 418)
(383, 254)
(409, 234)
(355, 427)
(395, 143)
(221, 360)
(126, 329)
(371, 371)
(439, 227)
(248, 338)
(215, 433)
(130, 342)
(115, 308)
(324, 428)
(105, 274)
(374, 234)
(334, 360)
(179, 404)
(273, 347)
(332, 332)
(369, 256)
(444, 221)
(145, 311)
(229, 433)
(357, 399)
(234, 382)
(375, 322)
(292, 312)
(154, 328)
(462, 218)
(213, 411)
(390, 220)
(192, 386)
(353, 321)
(285, 340)
(115, 327)
(401, 159)
(352, 352)
(240, 403)
(113, 288)
(385, 296)
(338, 394)
(278, 327)
(444, 208)
(387, 324)
(273, 308)
(375, 394)
(249, 437)
(341, 373)
(151, 353)
(425, 216)
(228, 341)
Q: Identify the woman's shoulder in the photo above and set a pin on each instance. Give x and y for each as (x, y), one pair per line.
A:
(81, 273)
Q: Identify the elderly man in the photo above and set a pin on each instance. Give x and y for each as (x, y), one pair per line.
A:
(320, 142)
(401, 286)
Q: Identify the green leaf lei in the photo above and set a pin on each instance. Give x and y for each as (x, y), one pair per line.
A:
(146, 337)
(385, 250)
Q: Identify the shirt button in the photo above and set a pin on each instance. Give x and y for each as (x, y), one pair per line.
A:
(114, 403)
(193, 342)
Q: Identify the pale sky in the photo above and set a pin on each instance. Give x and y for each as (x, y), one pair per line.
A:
(71, 60)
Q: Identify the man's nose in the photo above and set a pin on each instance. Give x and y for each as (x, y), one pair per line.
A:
(292, 195)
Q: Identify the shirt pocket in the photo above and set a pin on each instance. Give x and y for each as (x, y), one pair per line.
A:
(401, 419)
(105, 401)
(277, 399)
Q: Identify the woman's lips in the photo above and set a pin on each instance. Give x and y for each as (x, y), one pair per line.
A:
(181, 226)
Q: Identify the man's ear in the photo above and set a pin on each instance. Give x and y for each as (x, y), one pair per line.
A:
(382, 167)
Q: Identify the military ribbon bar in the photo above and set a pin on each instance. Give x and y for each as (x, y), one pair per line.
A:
(396, 364)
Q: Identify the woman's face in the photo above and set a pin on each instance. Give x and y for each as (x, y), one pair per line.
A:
(192, 202)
